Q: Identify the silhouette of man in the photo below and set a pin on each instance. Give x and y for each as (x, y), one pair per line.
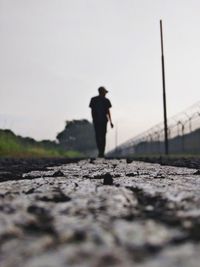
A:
(100, 107)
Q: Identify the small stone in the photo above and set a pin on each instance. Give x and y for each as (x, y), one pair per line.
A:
(57, 198)
(58, 174)
(128, 160)
(75, 185)
(108, 180)
(30, 191)
(92, 160)
(197, 172)
(131, 174)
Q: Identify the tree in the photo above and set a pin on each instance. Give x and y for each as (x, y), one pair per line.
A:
(78, 135)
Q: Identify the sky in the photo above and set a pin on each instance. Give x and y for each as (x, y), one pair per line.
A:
(56, 53)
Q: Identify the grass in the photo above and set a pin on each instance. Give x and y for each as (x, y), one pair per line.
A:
(16, 146)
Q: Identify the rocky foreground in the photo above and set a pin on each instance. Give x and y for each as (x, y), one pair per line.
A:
(95, 213)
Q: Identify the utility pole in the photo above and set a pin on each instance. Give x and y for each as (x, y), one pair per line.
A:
(164, 92)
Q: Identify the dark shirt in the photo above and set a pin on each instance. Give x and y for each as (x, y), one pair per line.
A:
(100, 106)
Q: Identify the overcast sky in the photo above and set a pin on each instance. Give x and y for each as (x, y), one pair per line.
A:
(54, 54)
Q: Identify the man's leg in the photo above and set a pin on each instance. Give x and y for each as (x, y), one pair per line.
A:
(98, 137)
(103, 130)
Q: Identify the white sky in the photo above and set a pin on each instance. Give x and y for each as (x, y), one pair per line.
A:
(56, 53)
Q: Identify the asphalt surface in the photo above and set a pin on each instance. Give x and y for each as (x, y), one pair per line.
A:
(94, 213)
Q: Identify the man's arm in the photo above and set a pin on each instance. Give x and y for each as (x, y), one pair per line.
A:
(90, 105)
(110, 119)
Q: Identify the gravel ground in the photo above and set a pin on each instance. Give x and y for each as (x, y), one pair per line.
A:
(13, 168)
(189, 162)
(94, 213)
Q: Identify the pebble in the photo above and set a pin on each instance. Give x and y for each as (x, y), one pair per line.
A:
(107, 179)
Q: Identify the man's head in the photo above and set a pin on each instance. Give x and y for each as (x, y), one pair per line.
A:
(102, 91)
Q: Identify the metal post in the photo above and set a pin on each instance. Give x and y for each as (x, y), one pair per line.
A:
(183, 137)
(164, 93)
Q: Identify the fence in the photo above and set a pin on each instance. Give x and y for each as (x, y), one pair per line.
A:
(183, 133)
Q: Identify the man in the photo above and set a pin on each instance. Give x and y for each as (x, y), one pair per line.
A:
(100, 107)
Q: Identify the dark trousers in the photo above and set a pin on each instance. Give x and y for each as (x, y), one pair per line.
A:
(100, 134)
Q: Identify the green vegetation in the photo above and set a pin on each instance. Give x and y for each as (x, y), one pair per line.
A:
(75, 141)
(12, 145)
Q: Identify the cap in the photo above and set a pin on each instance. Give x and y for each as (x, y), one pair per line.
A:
(102, 90)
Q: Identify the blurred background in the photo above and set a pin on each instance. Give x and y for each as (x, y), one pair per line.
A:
(55, 55)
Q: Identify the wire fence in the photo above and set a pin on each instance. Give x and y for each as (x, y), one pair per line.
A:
(183, 134)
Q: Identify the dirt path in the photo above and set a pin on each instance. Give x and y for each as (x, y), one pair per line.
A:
(95, 213)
